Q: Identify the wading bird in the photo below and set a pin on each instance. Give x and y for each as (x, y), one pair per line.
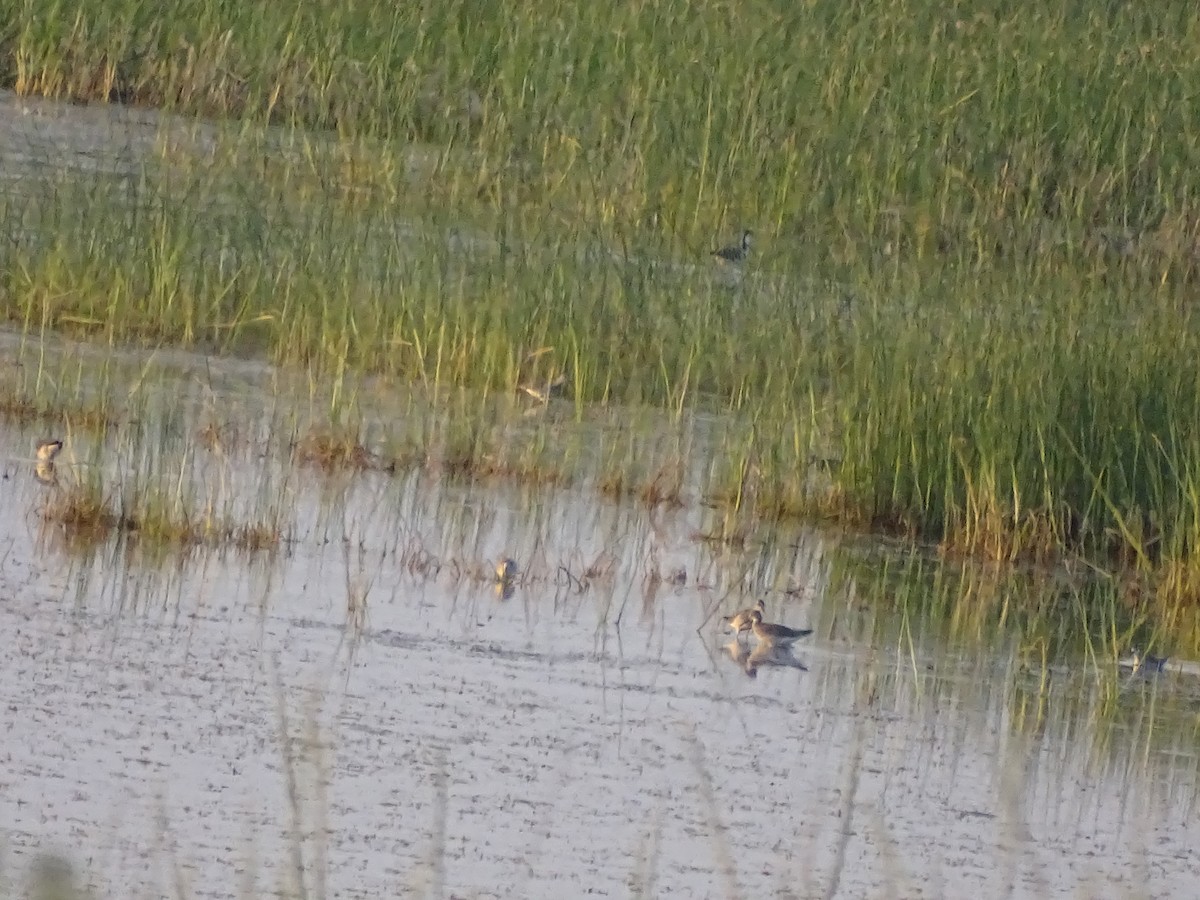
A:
(740, 621)
(776, 635)
(47, 450)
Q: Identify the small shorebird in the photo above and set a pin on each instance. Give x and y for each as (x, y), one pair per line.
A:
(555, 387)
(47, 450)
(777, 635)
(735, 253)
(506, 571)
(1140, 662)
(740, 620)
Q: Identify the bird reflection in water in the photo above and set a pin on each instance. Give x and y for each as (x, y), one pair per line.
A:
(506, 575)
(750, 661)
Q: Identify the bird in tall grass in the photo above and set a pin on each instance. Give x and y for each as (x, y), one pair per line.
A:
(736, 253)
(543, 393)
(1144, 662)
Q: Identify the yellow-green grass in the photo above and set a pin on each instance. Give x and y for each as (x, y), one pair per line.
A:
(973, 290)
(958, 128)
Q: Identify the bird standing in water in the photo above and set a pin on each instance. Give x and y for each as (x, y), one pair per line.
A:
(740, 621)
(776, 635)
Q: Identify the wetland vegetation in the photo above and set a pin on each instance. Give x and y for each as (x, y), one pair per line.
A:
(337, 306)
(967, 319)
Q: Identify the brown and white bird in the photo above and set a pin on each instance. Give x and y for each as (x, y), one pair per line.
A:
(47, 450)
(740, 620)
(776, 635)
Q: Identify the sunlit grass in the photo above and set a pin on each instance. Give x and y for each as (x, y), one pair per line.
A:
(967, 320)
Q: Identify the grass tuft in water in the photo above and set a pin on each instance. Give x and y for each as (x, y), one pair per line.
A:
(330, 450)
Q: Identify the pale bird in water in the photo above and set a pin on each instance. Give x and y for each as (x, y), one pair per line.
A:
(43, 467)
(47, 450)
(506, 571)
(777, 635)
(740, 620)
(735, 253)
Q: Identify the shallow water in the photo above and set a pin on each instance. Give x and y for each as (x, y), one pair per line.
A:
(591, 732)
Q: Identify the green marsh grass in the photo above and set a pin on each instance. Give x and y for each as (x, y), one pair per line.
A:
(919, 128)
(972, 293)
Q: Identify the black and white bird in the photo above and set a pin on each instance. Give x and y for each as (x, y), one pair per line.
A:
(735, 253)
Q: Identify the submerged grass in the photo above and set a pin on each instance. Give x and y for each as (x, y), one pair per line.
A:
(663, 488)
(332, 451)
(88, 514)
(28, 410)
(972, 303)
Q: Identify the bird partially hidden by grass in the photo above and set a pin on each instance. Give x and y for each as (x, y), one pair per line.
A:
(543, 393)
(736, 253)
(771, 633)
(1141, 662)
(540, 379)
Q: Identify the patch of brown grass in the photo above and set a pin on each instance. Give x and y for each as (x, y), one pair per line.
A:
(333, 451)
(523, 472)
(24, 411)
(217, 437)
(84, 511)
(665, 488)
(469, 466)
